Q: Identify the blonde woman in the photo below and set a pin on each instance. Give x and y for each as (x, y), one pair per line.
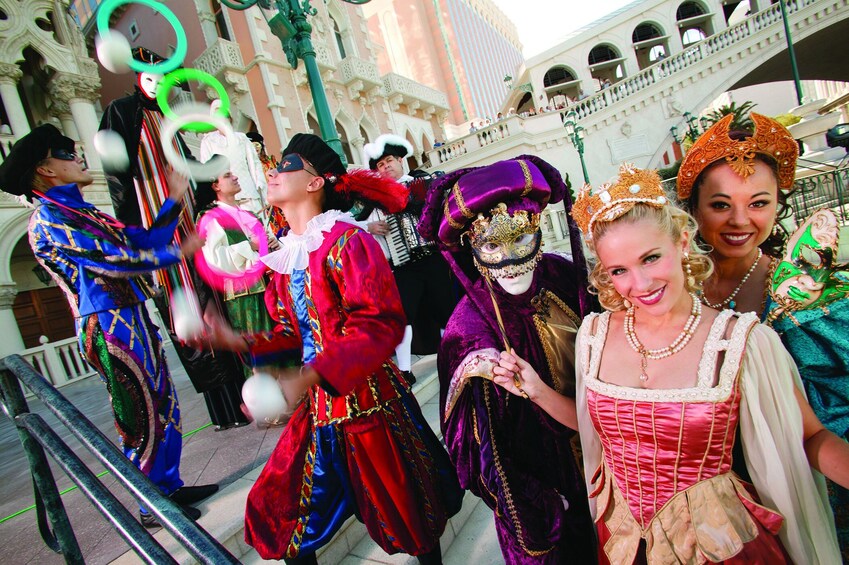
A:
(663, 383)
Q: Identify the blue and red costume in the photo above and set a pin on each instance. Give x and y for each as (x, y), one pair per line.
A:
(358, 444)
(95, 260)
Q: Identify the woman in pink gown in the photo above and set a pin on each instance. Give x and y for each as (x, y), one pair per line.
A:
(665, 384)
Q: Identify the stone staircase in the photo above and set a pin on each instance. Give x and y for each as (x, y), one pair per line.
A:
(469, 538)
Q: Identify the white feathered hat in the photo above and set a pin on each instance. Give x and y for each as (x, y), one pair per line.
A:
(385, 145)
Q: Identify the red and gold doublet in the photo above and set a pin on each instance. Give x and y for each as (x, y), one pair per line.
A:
(358, 444)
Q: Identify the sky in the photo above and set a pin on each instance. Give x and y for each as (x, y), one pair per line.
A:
(544, 23)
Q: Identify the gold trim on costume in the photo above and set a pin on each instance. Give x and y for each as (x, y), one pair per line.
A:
(529, 181)
(461, 204)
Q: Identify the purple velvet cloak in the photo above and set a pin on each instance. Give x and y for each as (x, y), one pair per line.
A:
(520, 461)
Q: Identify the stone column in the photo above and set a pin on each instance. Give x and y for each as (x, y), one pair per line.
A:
(207, 22)
(62, 110)
(12, 341)
(9, 77)
(357, 145)
(80, 93)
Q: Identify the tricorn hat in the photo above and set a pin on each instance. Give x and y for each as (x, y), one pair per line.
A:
(384, 146)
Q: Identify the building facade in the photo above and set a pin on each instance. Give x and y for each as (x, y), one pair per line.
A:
(464, 48)
(48, 74)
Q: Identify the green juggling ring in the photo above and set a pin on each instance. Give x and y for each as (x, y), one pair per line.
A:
(180, 75)
(166, 66)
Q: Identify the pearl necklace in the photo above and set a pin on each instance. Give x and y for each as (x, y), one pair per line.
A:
(730, 299)
(677, 345)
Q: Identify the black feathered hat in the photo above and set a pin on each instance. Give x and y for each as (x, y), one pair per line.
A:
(343, 186)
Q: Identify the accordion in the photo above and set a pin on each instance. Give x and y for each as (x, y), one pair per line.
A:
(405, 243)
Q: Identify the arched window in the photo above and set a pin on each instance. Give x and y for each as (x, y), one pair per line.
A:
(644, 32)
(689, 10)
(220, 21)
(346, 146)
(312, 124)
(693, 35)
(602, 53)
(557, 75)
(340, 43)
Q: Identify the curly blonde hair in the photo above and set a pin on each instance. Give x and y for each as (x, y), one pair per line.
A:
(669, 219)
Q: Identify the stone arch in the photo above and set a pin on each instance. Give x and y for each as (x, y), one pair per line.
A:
(650, 43)
(369, 127)
(607, 65)
(312, 123)
(348, 130)
(412, 160)
(14, 228)
(690, 9)
(694, 21)
(20, 30)
(561, 80)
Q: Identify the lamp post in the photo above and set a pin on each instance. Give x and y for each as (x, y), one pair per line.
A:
(674, 131)
(576, 135)
(290, 25)
(692, 127)
(794, 68)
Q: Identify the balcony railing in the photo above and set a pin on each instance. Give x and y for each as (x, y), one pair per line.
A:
(408, 91)
(825, 190)
(483, 137)
(354, 68)
(220, 57)
(60, 361)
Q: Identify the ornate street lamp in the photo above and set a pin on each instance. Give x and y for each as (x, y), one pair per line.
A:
(576, 136)
(508, 82)
(290, 25)
(674, 131)
(692, 125)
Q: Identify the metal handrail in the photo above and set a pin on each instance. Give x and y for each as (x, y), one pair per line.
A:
(36, 436)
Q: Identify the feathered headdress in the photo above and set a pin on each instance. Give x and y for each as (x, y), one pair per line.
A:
(363, 184)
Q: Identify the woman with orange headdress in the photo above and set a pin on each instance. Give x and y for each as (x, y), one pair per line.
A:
(736, 185)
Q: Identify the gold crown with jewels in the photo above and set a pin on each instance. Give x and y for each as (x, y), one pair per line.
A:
(501, 227)
(610, 201)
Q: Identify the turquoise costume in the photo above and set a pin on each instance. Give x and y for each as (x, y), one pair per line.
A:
(809, 309)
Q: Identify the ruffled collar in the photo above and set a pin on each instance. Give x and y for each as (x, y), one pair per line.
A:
(68, 195)
(295, 249)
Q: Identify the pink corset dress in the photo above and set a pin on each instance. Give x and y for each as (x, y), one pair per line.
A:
(665, 475)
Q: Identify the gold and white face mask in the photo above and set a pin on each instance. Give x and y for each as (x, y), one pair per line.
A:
(505, 246)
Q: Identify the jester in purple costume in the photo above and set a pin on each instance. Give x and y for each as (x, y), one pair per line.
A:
(96, 261)
(506, 449)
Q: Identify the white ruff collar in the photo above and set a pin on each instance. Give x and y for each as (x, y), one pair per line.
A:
(294, 252)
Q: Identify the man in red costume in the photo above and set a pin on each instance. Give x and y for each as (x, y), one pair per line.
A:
(358, 444)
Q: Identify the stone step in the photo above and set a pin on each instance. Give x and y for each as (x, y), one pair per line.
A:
(223, 513)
